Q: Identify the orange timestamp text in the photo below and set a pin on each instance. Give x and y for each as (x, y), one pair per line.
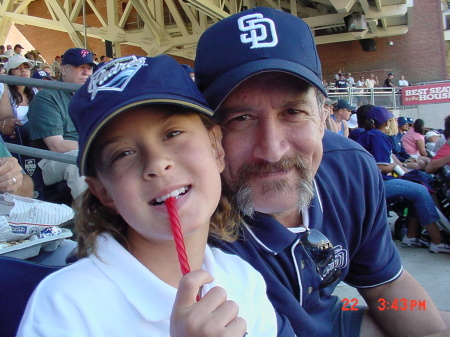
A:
(397, 304)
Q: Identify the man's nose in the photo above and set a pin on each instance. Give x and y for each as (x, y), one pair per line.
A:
(271, 142)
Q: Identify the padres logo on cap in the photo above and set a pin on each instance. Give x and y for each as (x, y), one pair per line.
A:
(115, 75)
(255, 24)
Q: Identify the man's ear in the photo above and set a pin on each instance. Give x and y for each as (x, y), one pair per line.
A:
(215, 135)
(98, 189)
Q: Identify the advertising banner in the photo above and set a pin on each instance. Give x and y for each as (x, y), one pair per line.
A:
(426, 94)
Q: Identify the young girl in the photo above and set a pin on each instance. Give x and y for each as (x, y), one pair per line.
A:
(144, 136)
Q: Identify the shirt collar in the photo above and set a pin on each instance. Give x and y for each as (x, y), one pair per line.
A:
(138, 284)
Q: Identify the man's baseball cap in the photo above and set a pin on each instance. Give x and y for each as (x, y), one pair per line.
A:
(330, 102)
(379, 114)
(344, 104)
(77, 56)
(126, 83)
(431, 134)
(261, 39)
(15, 61)
(391, 74)
(41, 75)
(402, 121)
(18, 46)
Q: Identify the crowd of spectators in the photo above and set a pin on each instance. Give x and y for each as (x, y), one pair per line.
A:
(21, 119)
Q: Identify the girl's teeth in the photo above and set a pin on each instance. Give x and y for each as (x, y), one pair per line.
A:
(173, 194)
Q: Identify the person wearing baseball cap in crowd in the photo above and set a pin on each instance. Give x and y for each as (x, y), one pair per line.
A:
(328, 111)
(341, 114)
(431, 137)
(41, 75)
(15, 103)
(388, 82)
(424, 211)
(146, 136)
(397, 147)
(295, 183)
(18, 49)
(50, 125)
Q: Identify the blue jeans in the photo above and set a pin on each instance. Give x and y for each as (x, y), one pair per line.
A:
(417, 195)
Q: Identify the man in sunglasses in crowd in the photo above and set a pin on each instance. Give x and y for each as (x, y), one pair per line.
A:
(294, 184)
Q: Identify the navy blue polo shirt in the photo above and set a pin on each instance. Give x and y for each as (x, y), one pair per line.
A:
(349, 208)
(397, 147)
(379, 146)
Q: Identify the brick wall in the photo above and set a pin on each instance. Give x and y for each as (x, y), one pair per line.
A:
(420, 55)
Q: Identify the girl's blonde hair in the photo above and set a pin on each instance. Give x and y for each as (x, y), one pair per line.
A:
(393, 130)
(92, 218)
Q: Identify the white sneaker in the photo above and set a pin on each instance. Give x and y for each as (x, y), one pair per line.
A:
(440, 248)
(415, 242)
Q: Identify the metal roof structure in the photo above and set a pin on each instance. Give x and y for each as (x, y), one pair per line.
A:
(174, 26)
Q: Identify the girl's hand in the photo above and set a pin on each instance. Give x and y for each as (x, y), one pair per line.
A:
(212, 316)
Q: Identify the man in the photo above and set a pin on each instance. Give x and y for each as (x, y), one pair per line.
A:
(372, 81)
(103, 60)
(341, 114)
(50, 125)
(12, 177)
(294, 188)
(18, 49)
(341, 83)
(402, 82)
(328, 112)
(350, 80)
(9, 51)
(388, 82)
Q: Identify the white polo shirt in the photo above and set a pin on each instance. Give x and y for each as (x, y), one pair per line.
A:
(117, 296)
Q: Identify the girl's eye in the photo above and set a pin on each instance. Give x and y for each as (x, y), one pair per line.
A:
(123, 154)
(171, 134)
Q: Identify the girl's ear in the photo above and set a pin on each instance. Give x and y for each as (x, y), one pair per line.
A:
(215, 135)
(98, 189)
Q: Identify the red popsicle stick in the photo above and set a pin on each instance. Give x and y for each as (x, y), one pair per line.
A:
(177, 235)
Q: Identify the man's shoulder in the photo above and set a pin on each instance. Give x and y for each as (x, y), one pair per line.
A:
(333, 142)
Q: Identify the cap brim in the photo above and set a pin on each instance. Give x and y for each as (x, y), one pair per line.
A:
(137, 101)
(229, 80)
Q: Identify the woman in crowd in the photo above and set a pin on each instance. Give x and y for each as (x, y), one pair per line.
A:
(376, 141)
(414, 141)
(15, 102)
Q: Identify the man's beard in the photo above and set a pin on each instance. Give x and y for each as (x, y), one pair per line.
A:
(304, 184)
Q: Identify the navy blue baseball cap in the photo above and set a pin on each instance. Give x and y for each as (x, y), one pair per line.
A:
(402, 121)
(41, 75)
(261, 39)
(344, 104)
(77, 57)
(379, 114)
(126, 83)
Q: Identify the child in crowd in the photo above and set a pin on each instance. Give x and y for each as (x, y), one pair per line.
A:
(145, 135)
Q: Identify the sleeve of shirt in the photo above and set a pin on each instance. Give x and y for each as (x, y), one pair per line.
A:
(376, 260)
(44, 116)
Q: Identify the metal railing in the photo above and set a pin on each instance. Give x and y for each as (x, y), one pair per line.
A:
(390, 98)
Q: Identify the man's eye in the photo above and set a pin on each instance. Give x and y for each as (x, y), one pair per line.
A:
(293, 111)
(171, 134)
(240, 118)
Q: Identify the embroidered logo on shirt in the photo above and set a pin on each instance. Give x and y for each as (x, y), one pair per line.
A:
(259, 31)
(115, 75)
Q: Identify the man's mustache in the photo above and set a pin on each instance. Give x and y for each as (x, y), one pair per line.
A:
(261, 168)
